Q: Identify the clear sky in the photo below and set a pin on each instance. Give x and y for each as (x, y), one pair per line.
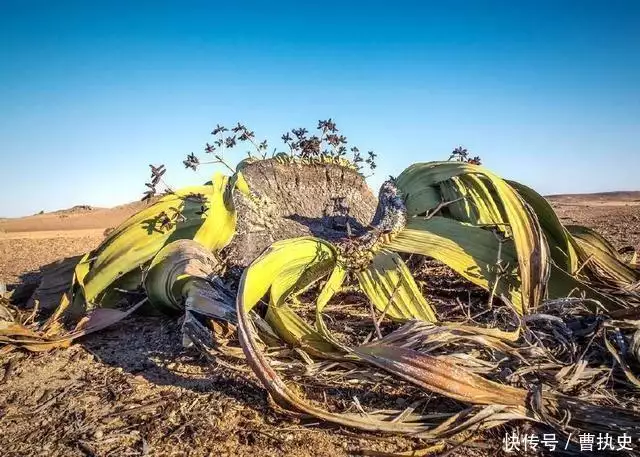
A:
(546, 92)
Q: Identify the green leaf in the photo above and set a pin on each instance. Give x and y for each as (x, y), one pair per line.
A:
(470, 251)
(284, 268)
(391, 288)
(491, 198)
(603, 261)
(137, 240)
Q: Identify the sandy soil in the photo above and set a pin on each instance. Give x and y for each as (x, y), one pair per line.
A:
(20, 258)
(133, 390)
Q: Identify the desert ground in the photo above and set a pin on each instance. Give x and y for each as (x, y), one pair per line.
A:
(134, 390)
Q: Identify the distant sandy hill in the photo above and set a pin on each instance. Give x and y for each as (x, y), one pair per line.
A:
(78, 209)
(79, 217)
(625, 198)
(617, 195)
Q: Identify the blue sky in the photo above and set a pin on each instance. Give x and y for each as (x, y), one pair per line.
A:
(547, 93)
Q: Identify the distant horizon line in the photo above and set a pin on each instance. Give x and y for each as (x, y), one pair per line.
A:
(603, 193)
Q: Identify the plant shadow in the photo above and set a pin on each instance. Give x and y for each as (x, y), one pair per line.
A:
(150, 347)
(330, 227)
